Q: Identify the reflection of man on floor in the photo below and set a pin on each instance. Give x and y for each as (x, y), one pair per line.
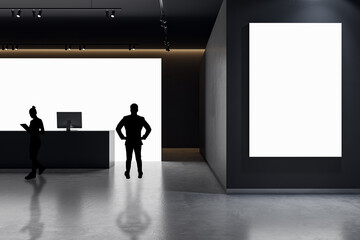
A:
(134, 220)
(133, 124)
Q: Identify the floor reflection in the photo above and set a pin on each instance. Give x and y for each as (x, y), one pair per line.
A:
(133, 220)
(199, 178)
(166, 204)
(35, 227)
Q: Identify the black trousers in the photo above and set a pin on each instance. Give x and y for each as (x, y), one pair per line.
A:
(34, 150)
(129, 150)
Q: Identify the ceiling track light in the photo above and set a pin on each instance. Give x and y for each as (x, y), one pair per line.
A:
(163, 25)
(132, 47)
(18, 14)
(68, 47)
(108, 14)
(167, 46)
(5, 47)
(163, 22)
(38, 15)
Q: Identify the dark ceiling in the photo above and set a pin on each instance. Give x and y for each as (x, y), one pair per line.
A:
(189, 22)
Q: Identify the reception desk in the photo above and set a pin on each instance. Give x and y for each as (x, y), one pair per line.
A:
(59, 149)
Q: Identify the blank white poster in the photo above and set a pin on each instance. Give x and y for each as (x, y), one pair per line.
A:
(101, 88)
(295, 90)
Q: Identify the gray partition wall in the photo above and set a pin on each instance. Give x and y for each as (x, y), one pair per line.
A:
(322, 173)
(213, 95)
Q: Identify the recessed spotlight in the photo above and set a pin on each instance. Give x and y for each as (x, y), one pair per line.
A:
(39, 13)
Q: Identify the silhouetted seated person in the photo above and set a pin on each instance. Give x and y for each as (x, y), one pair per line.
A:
(133, 125)
(35, 129)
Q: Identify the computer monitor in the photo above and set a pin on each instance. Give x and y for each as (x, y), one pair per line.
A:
(69, 120)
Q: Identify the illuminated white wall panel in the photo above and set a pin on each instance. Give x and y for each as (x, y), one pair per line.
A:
(102, 89)
(295, 90)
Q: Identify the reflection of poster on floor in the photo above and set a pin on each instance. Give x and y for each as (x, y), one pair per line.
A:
(295, 90)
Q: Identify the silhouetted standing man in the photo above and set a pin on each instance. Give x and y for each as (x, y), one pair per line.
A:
(35, 129)
(133, 124)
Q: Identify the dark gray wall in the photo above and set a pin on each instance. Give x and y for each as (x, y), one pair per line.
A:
(245, 172)
(180, 88)
(213, 97)
(180, 99)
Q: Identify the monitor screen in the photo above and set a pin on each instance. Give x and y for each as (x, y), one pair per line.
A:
(73, 117)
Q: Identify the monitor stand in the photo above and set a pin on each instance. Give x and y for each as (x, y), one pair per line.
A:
(68, 125)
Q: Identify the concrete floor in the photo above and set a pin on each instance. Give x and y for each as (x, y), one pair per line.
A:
(174, 200)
